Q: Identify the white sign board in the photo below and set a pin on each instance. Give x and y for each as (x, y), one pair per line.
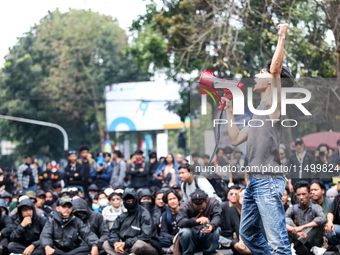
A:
(125, 113)
(162, 145)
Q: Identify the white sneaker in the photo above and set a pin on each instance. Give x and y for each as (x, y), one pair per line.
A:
(292, 248)
(317, 250)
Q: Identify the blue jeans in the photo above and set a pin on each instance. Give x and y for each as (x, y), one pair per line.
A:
(334, 238)
(33, 188)
(262, 203)
(192, 242)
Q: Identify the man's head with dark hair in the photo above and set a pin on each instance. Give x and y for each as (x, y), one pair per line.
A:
(28, 160)
(117, 154)
(302, 184)
(84, 148)
(84, 152)
(287, 78)
(338, 142)
(199, 200)
(317, 190)
(302, 190)
(184, 172)
(324, 149)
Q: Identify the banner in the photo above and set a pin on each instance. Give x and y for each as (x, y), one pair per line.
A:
(141, 106)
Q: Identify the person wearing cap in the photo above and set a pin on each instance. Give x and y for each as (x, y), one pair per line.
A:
(32, 196)
(199, 220)
(115, 209)
(19, 193)
(138, 172)
(147, 200)
(169, 226)
(6, 227)
(27, 229)
(102, 175)
(61, 234)
(74, 171)
(48, 178)
(40, 204)
(297, 162)
(132, 230)
(118, 171)
(94, 220)
(177, 187)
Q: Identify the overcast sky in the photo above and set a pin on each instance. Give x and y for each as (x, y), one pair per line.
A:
(17, 16)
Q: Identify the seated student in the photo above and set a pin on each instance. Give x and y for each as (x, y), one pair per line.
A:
(103, 202)
(115, 209)
(50, 199)
(286, 199)
(199, 220)
(132, 230)
(305, 222)
(27, 229)
(41, 199)
(169, 226)
(92, 191)
(94, 220)
(159, 199)
(61, 235)
(6, 227)
(189, 183)
(147, 200)
(19, 193)
(317, 192)
(332, 228)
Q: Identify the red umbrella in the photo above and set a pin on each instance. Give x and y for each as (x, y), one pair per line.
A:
(312, 141)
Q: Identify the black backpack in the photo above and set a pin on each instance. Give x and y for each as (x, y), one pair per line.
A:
(216, 182)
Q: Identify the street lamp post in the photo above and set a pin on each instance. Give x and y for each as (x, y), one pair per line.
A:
(41, 123)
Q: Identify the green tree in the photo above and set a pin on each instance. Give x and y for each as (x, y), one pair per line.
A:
(71, 55)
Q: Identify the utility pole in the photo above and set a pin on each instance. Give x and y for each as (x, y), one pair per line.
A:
(41, 123)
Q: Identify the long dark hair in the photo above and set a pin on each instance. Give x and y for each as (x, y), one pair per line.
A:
(173, 159)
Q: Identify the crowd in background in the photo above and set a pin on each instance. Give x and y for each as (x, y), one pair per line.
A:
(111, 205)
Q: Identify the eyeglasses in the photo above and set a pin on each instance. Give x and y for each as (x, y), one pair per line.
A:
(233, 194)
(281, 153)
(114, 199)
(298, 143)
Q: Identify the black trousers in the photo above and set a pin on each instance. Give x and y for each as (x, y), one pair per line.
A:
(81, 250)
(15, 247)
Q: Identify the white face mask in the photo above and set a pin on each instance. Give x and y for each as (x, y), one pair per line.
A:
(299, 150)
(103, 202)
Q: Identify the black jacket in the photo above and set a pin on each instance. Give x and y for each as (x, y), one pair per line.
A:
(167, 230)
(65, 235)
(138, 179)
(6, 224)
(70, 172)
(133, 226)
(298, 173)
(30, 234)
(187, 215)
(226, 225)
(94, 220)
(154, 210)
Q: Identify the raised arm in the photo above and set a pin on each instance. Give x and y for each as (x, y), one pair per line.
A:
(236, 136)
(276, 68)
